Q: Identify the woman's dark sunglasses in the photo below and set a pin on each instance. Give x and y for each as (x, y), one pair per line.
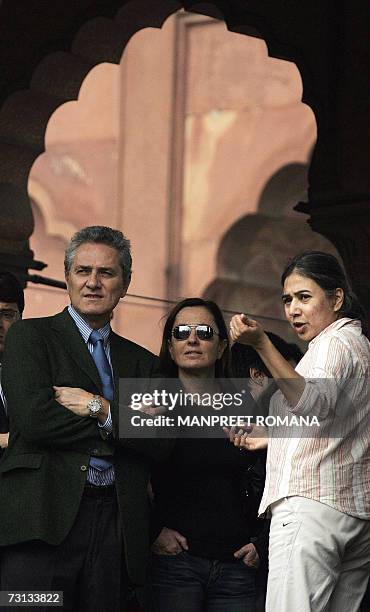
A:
(204, 332)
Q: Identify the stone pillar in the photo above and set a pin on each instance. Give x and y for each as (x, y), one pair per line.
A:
(339, 178)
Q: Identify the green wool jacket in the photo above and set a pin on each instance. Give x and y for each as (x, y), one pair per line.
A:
(44, 469)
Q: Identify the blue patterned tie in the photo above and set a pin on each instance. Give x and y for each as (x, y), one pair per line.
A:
(102, 363)
(105, 373)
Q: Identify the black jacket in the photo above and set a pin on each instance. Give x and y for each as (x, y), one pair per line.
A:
(43, 471)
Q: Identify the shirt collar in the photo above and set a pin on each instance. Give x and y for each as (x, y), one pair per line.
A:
(85, 329)
(338, 324)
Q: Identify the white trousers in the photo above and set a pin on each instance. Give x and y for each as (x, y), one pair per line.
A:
(319, 558)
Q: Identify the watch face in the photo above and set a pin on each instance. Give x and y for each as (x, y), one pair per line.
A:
(95, 406)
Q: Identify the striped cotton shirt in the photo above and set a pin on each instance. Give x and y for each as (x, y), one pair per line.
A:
(332, 466)
(94, 476)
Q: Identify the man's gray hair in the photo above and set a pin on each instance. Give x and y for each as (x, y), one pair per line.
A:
(101, 235)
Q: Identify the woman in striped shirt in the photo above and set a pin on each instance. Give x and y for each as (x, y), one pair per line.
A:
(318, 479)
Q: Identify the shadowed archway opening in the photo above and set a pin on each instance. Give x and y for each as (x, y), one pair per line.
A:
(254, 251)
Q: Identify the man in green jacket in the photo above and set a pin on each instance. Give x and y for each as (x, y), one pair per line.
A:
(74, 512)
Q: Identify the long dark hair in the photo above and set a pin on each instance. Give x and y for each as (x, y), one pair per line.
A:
(327, 272)
(167, 366)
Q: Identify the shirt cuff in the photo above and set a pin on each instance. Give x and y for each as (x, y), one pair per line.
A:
(107, 425)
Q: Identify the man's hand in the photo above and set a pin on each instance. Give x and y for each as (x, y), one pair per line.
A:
(169, 542)
(247, 331)
(4, 439)
(151, 410)
(249, 555)
(76, 401)
(249, 437)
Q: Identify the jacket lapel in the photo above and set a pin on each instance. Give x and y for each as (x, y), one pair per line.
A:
(123, 358)
(72, 341)
(124, 361)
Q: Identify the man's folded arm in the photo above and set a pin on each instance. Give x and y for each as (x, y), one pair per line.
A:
(28, 385)
(156, 449)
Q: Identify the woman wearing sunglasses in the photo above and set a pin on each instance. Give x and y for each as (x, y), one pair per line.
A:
(318, 479)
(202, 558)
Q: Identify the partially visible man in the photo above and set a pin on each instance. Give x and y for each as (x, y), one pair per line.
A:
(11, 309)
(75, 493)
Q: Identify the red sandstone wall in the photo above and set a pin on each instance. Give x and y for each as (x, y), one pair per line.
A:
(178, 147)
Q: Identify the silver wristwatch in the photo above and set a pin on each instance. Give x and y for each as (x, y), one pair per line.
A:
(95, 406)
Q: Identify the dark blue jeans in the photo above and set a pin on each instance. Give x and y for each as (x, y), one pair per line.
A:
(185, 583)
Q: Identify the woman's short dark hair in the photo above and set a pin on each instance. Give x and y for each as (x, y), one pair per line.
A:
(244, 357)
(167, 365)
(327, 272)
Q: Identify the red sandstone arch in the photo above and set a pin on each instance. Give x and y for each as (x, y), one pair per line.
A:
(48, 48)
(98, 34)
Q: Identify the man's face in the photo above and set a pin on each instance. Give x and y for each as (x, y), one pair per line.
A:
(9, 313)
(95, 282)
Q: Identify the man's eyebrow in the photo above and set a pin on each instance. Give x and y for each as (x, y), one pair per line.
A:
(100, 268)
